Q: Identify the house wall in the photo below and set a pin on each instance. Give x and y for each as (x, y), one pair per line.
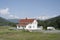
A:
(19, 27)
(50, 28)
(32, 26)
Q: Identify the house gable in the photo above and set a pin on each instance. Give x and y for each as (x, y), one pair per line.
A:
(33, 25)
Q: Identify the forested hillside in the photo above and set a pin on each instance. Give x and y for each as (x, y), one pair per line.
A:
(14, 20)
(55, 22)
(4, 22)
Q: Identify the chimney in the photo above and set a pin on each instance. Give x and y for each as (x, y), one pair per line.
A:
(26, 18)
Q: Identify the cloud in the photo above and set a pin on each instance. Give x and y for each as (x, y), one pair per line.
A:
(43, 17)
(4, 11)
(13, 17)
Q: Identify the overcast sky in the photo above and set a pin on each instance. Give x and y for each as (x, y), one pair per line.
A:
(29, 8)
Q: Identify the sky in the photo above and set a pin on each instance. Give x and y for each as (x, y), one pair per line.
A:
(12, 9)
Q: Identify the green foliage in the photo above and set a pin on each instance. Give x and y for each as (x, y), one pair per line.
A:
(4, 22)
(55, 22)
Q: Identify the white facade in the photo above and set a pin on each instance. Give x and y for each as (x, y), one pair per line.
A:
(50, 28)
(31, 26)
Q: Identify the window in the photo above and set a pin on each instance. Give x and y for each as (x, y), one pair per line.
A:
(24, 26)
(29, 26)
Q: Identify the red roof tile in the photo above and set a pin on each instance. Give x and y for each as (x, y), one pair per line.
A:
(24, 22)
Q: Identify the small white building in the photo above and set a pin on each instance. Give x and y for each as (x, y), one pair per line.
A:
(29, 24)
(50, 28)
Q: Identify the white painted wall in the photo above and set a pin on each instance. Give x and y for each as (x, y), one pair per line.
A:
(40, 28)
(19, 27)
(32, 25)
(50, 28)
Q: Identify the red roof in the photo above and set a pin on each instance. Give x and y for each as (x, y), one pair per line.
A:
(24, 22)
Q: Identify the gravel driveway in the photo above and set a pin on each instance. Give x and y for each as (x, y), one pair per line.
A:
(51, 31)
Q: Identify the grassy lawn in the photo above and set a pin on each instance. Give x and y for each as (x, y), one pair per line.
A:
(6, 34)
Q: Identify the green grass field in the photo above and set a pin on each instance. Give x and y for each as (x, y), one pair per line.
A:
(6, 34)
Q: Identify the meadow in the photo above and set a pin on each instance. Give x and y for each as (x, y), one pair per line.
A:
(7, 34)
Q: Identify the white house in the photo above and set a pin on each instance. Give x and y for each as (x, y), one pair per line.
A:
(29, 24)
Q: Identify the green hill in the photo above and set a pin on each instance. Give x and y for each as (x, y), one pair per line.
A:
(14, 20)
(55, 22)
(5, 22)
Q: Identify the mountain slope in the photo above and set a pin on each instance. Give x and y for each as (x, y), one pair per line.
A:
(4, 22)
(55, 22)
(14, 20)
